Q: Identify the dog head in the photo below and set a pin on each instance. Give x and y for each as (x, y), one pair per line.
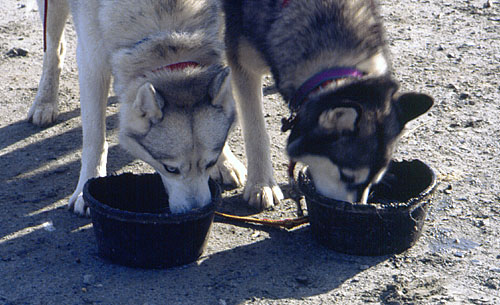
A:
(178, 122)
(347, 135)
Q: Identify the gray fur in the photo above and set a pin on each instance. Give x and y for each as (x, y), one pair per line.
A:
(175, 119)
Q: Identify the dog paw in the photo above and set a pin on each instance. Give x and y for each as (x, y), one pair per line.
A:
(230, 171)
(262, 196)
(42, 114)
(77, 205)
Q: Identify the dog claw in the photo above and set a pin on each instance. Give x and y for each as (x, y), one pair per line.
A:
(229, 170)
(42, 114)
(263, 196)
(77, 205)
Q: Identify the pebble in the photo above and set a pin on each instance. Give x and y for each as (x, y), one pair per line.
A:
(303, 280)
(464, 96)
(492, 283)
(17, 52)
(363, 267)
(49, 226)
(448, 189)
(88, 279)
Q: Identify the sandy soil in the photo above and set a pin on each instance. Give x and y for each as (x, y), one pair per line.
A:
(449, 49)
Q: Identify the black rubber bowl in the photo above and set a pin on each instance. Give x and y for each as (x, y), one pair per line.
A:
(392, 223)
(134, 227)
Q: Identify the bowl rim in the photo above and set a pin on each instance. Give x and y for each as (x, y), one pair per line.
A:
(148, 218)
(373, 207)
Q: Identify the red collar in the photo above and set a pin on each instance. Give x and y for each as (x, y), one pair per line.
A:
(178, 66)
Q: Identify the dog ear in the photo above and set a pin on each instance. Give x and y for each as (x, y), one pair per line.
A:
(412, 105)
(220, 87)
(295, 147)
(148, 104)
(339, 120)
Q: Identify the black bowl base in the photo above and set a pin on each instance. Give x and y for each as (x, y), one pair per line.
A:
(133, 225)
(390, 225)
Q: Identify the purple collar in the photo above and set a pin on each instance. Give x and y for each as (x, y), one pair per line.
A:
(319, 80)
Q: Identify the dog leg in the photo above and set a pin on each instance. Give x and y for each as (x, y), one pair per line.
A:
(229, 170)
(94, 78)
(44, 109)
(261, 190)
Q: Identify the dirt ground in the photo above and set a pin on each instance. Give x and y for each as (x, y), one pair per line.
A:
(449, 49)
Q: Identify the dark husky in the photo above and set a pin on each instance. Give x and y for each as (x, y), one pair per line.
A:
(330, 63)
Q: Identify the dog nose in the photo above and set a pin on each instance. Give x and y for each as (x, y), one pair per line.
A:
(199, 201)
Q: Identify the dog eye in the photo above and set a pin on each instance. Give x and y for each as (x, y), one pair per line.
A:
(171, 169)
(347, 176)
(209, 165)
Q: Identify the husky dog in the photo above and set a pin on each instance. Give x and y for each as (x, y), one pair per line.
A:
(330, 63)
(166, 57)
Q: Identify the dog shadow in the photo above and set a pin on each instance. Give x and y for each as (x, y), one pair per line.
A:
(286, 264)
(268, 263)
(47, 170)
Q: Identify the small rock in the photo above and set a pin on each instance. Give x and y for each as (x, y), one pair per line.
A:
(88, 279)
(471, 124)
(493, 283)
(49, 226)
(440, 48)
(363, 267)
(464, 96)
(459, 254)
(255, 234)
(17, 52)
(487, 4)
(448, 189)
(303, 280)
(222, 302)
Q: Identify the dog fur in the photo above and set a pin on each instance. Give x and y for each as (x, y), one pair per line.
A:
(345, 131)
(174, 116)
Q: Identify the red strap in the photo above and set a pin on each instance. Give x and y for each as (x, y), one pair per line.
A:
(178, 66)
(45, 25)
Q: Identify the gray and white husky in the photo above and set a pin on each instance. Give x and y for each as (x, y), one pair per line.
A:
(330, 63)
(166, 58)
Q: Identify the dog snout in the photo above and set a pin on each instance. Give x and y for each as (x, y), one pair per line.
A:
(187, 194)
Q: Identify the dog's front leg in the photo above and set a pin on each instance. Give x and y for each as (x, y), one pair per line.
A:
(229, 170)
(44, 109)
(94, 79)
(261, 190)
